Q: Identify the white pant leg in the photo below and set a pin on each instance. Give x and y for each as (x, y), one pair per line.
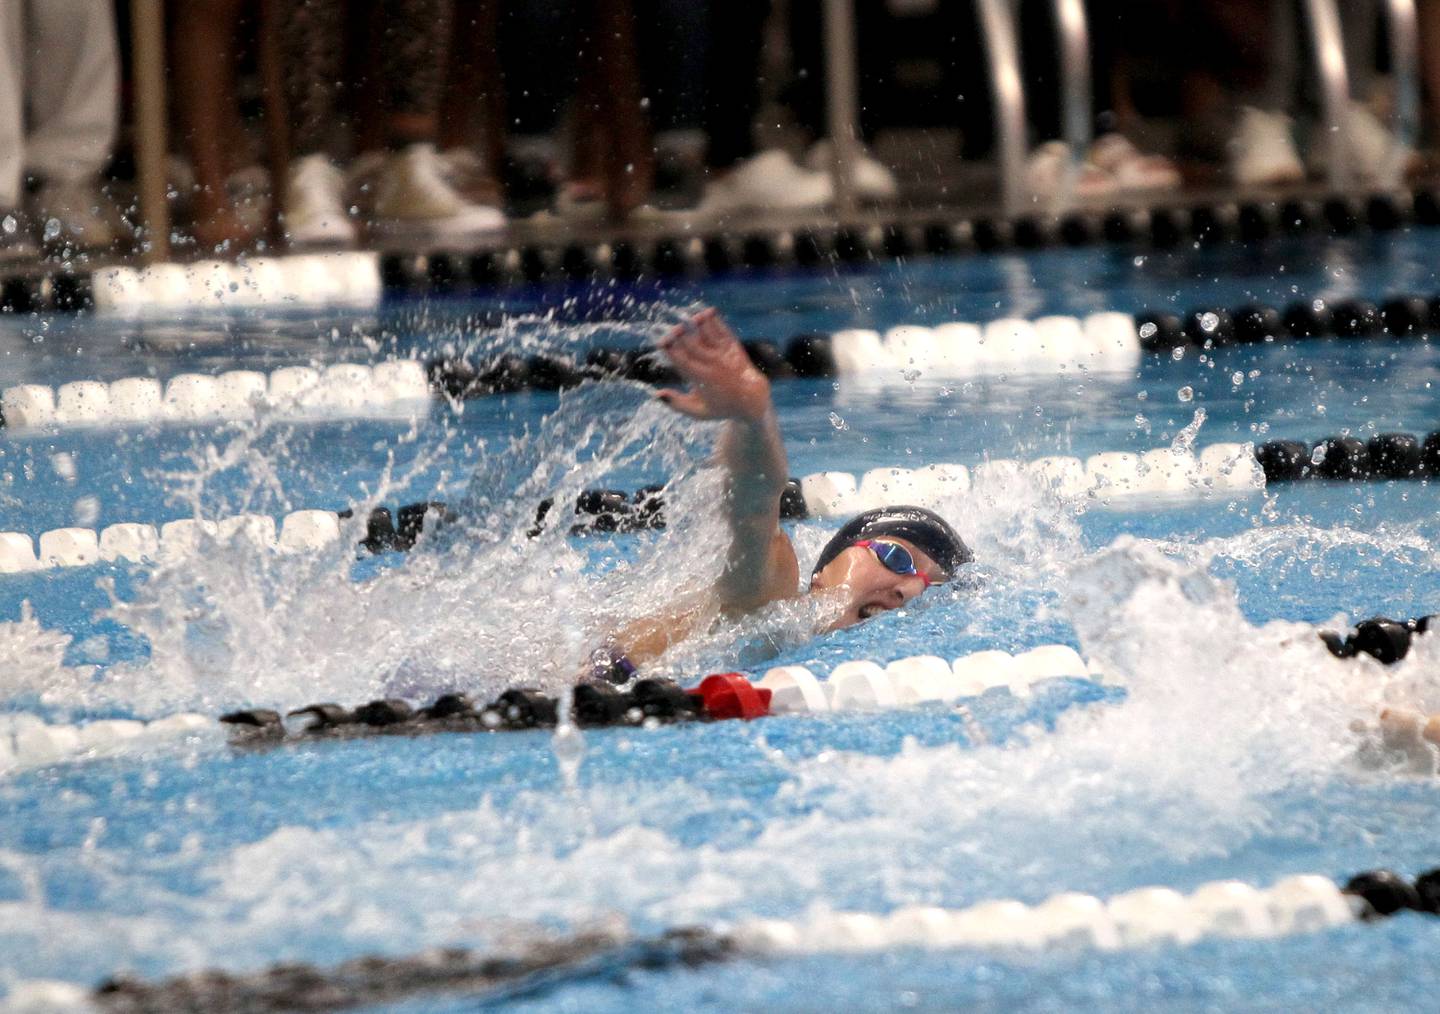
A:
(12, 100)
(74, 77)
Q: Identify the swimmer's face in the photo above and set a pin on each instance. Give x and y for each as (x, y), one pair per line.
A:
(869, 586)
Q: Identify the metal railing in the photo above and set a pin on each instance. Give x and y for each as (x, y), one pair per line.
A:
(1404, 39)
(1077, 112)
(1002, 54)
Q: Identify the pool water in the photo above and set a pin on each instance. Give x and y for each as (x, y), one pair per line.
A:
(1218, 743)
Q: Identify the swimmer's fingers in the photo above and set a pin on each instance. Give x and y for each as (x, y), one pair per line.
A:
(714, 333)
(686, 403)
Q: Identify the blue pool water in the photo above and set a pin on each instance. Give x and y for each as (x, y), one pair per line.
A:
(1219, 745)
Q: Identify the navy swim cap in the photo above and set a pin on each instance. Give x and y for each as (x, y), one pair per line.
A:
(925, 530)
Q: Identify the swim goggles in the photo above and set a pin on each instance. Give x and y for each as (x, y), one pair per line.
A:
(894, 558)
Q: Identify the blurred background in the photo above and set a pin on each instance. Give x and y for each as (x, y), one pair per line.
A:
(219, 127)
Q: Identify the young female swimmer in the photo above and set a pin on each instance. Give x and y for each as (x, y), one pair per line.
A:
(878, 561)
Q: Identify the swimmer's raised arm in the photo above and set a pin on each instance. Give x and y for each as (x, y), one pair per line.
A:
(725, 385)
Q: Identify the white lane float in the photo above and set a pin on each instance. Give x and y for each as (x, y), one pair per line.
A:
(1164, 474)
(1105, 342)
(340, 390)
(860, 685)
(27, 741)
(341, 278)
(1144, 917)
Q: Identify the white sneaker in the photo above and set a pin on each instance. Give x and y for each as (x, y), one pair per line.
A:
(314, 213)
(1133, 170)
(1046, 169)
(873, 181)
(1375, 154)
(1262, 152)
(414, 200)
(73, 213)
(769, 181)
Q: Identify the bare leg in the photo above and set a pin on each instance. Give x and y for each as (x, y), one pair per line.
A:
(1429, 16)
(474, 79)
(414, 36)
(628, 163)
(201, 49)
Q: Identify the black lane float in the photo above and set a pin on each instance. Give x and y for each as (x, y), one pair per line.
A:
(1347, 458)
(594, 704)
(1381, 638)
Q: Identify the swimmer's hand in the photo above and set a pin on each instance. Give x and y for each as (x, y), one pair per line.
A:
(724, 383)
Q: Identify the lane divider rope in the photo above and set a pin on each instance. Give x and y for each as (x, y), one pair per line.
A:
(293, 391)
(339, 278)
(27, 741)
(851, 686)
(1228, 468)
(36, 290)
(1068, 922)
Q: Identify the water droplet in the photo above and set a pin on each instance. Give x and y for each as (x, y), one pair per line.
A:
(1209, 321)
(1177, 353)
(1186, 393)
(1237, 378)
(1148, 329)
(838, 421)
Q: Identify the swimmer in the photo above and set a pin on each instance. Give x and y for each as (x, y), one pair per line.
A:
(878, 561)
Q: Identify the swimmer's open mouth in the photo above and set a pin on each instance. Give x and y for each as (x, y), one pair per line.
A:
(868, 611)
